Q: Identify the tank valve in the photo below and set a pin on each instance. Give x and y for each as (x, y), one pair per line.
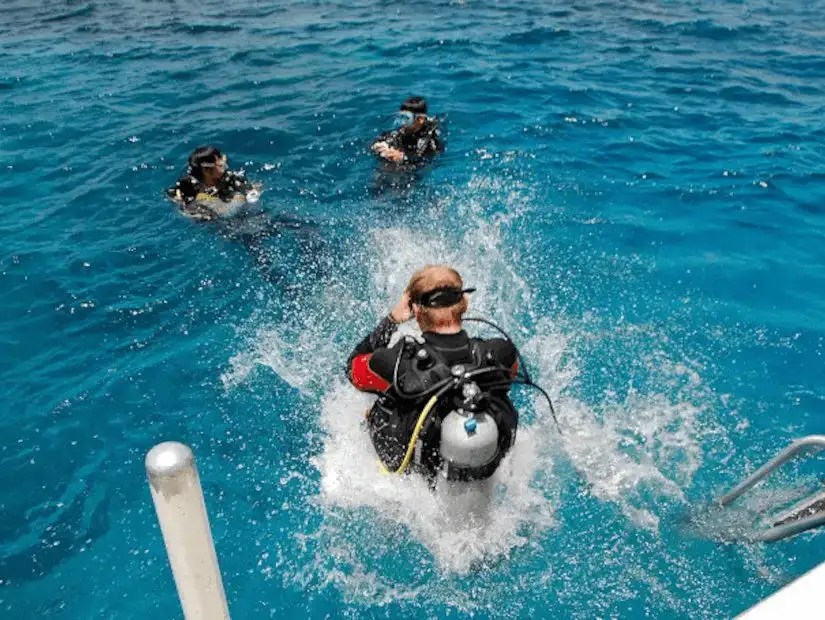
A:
(470, 391)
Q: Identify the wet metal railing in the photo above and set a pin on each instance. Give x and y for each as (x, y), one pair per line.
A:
(176, 492)
(793, 522)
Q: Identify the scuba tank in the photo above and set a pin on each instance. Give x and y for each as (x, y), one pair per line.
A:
(469, 444)
(469, 437)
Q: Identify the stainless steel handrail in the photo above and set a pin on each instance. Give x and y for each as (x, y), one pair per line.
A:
(798, 446)
(791, 528)
(781, 528)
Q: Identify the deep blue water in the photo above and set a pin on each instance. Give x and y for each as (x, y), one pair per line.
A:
(636, 188)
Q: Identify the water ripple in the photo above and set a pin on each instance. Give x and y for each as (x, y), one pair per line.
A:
(648, 176)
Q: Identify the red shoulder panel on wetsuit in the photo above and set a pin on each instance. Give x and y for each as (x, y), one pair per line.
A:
(514, 369)
(363, 377)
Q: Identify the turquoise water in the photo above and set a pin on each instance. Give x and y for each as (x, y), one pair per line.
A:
(635, 188)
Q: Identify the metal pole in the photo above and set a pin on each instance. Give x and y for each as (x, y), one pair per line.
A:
(791, 528)
(800, 445)
(176, 491)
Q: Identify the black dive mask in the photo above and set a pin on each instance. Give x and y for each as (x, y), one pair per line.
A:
(443, 297)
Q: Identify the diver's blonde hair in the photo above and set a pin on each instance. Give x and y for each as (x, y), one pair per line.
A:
(429, 278)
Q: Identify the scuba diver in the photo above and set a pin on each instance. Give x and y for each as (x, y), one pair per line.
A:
(207, 190)
(443, 402)
(414, 142)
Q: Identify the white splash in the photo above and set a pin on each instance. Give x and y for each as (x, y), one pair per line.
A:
(460, 525)
(631, 453)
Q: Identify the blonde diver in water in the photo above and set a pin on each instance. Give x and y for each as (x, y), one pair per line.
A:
(208, 191)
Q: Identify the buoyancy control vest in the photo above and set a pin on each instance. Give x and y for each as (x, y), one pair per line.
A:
(189, 189)
(472, 425)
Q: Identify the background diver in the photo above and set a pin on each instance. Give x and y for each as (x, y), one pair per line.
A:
(207, 190)
(413, 142)
(443, 399)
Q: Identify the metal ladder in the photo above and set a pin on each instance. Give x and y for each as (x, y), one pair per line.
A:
(806, 514)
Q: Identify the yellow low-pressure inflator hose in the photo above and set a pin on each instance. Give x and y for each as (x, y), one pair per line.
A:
(416, 431)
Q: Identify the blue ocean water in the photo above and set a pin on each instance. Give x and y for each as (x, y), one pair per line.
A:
(635, 188)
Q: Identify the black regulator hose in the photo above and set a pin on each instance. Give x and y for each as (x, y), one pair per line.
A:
(522, 366)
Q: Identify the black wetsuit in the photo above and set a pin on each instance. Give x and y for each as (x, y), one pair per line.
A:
(192, 194)
(371, 368)
(416, 144)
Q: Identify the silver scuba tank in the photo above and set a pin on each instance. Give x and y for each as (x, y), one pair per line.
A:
(469, 441)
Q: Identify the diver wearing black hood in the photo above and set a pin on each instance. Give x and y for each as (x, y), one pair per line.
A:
(206, 189)
(413, 142)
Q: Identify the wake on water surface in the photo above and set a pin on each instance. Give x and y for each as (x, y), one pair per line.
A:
(635, 453)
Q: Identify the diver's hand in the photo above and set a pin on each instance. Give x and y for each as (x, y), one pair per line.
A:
(392, 154)
(380, 146)
(385, 151)
(402, 311)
